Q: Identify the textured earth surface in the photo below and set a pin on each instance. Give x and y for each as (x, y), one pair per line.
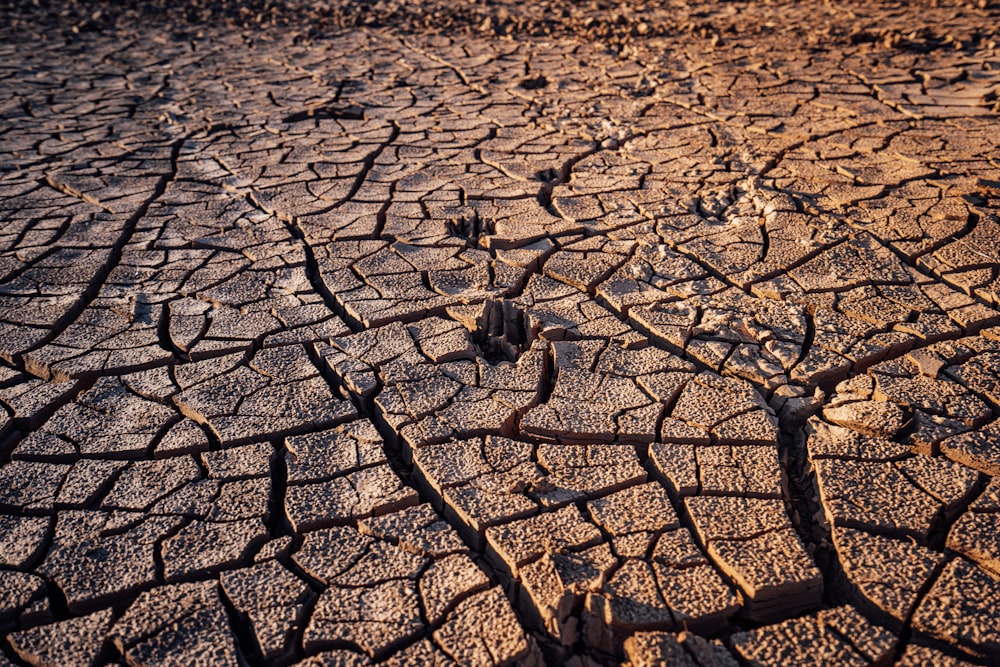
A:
(499, 333)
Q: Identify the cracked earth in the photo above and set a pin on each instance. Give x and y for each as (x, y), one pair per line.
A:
(493, 334)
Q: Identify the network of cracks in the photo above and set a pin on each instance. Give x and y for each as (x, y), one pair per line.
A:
(408, 349)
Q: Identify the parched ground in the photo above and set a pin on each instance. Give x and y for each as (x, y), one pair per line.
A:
(501, 332)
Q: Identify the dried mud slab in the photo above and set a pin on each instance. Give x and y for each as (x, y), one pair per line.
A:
(499, 334)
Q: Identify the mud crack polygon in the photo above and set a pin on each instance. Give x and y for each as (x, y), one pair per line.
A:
(491, 334)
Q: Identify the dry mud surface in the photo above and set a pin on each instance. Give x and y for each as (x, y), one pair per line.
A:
(507, 333)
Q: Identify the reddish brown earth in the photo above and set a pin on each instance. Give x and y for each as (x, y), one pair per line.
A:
(499, 333)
